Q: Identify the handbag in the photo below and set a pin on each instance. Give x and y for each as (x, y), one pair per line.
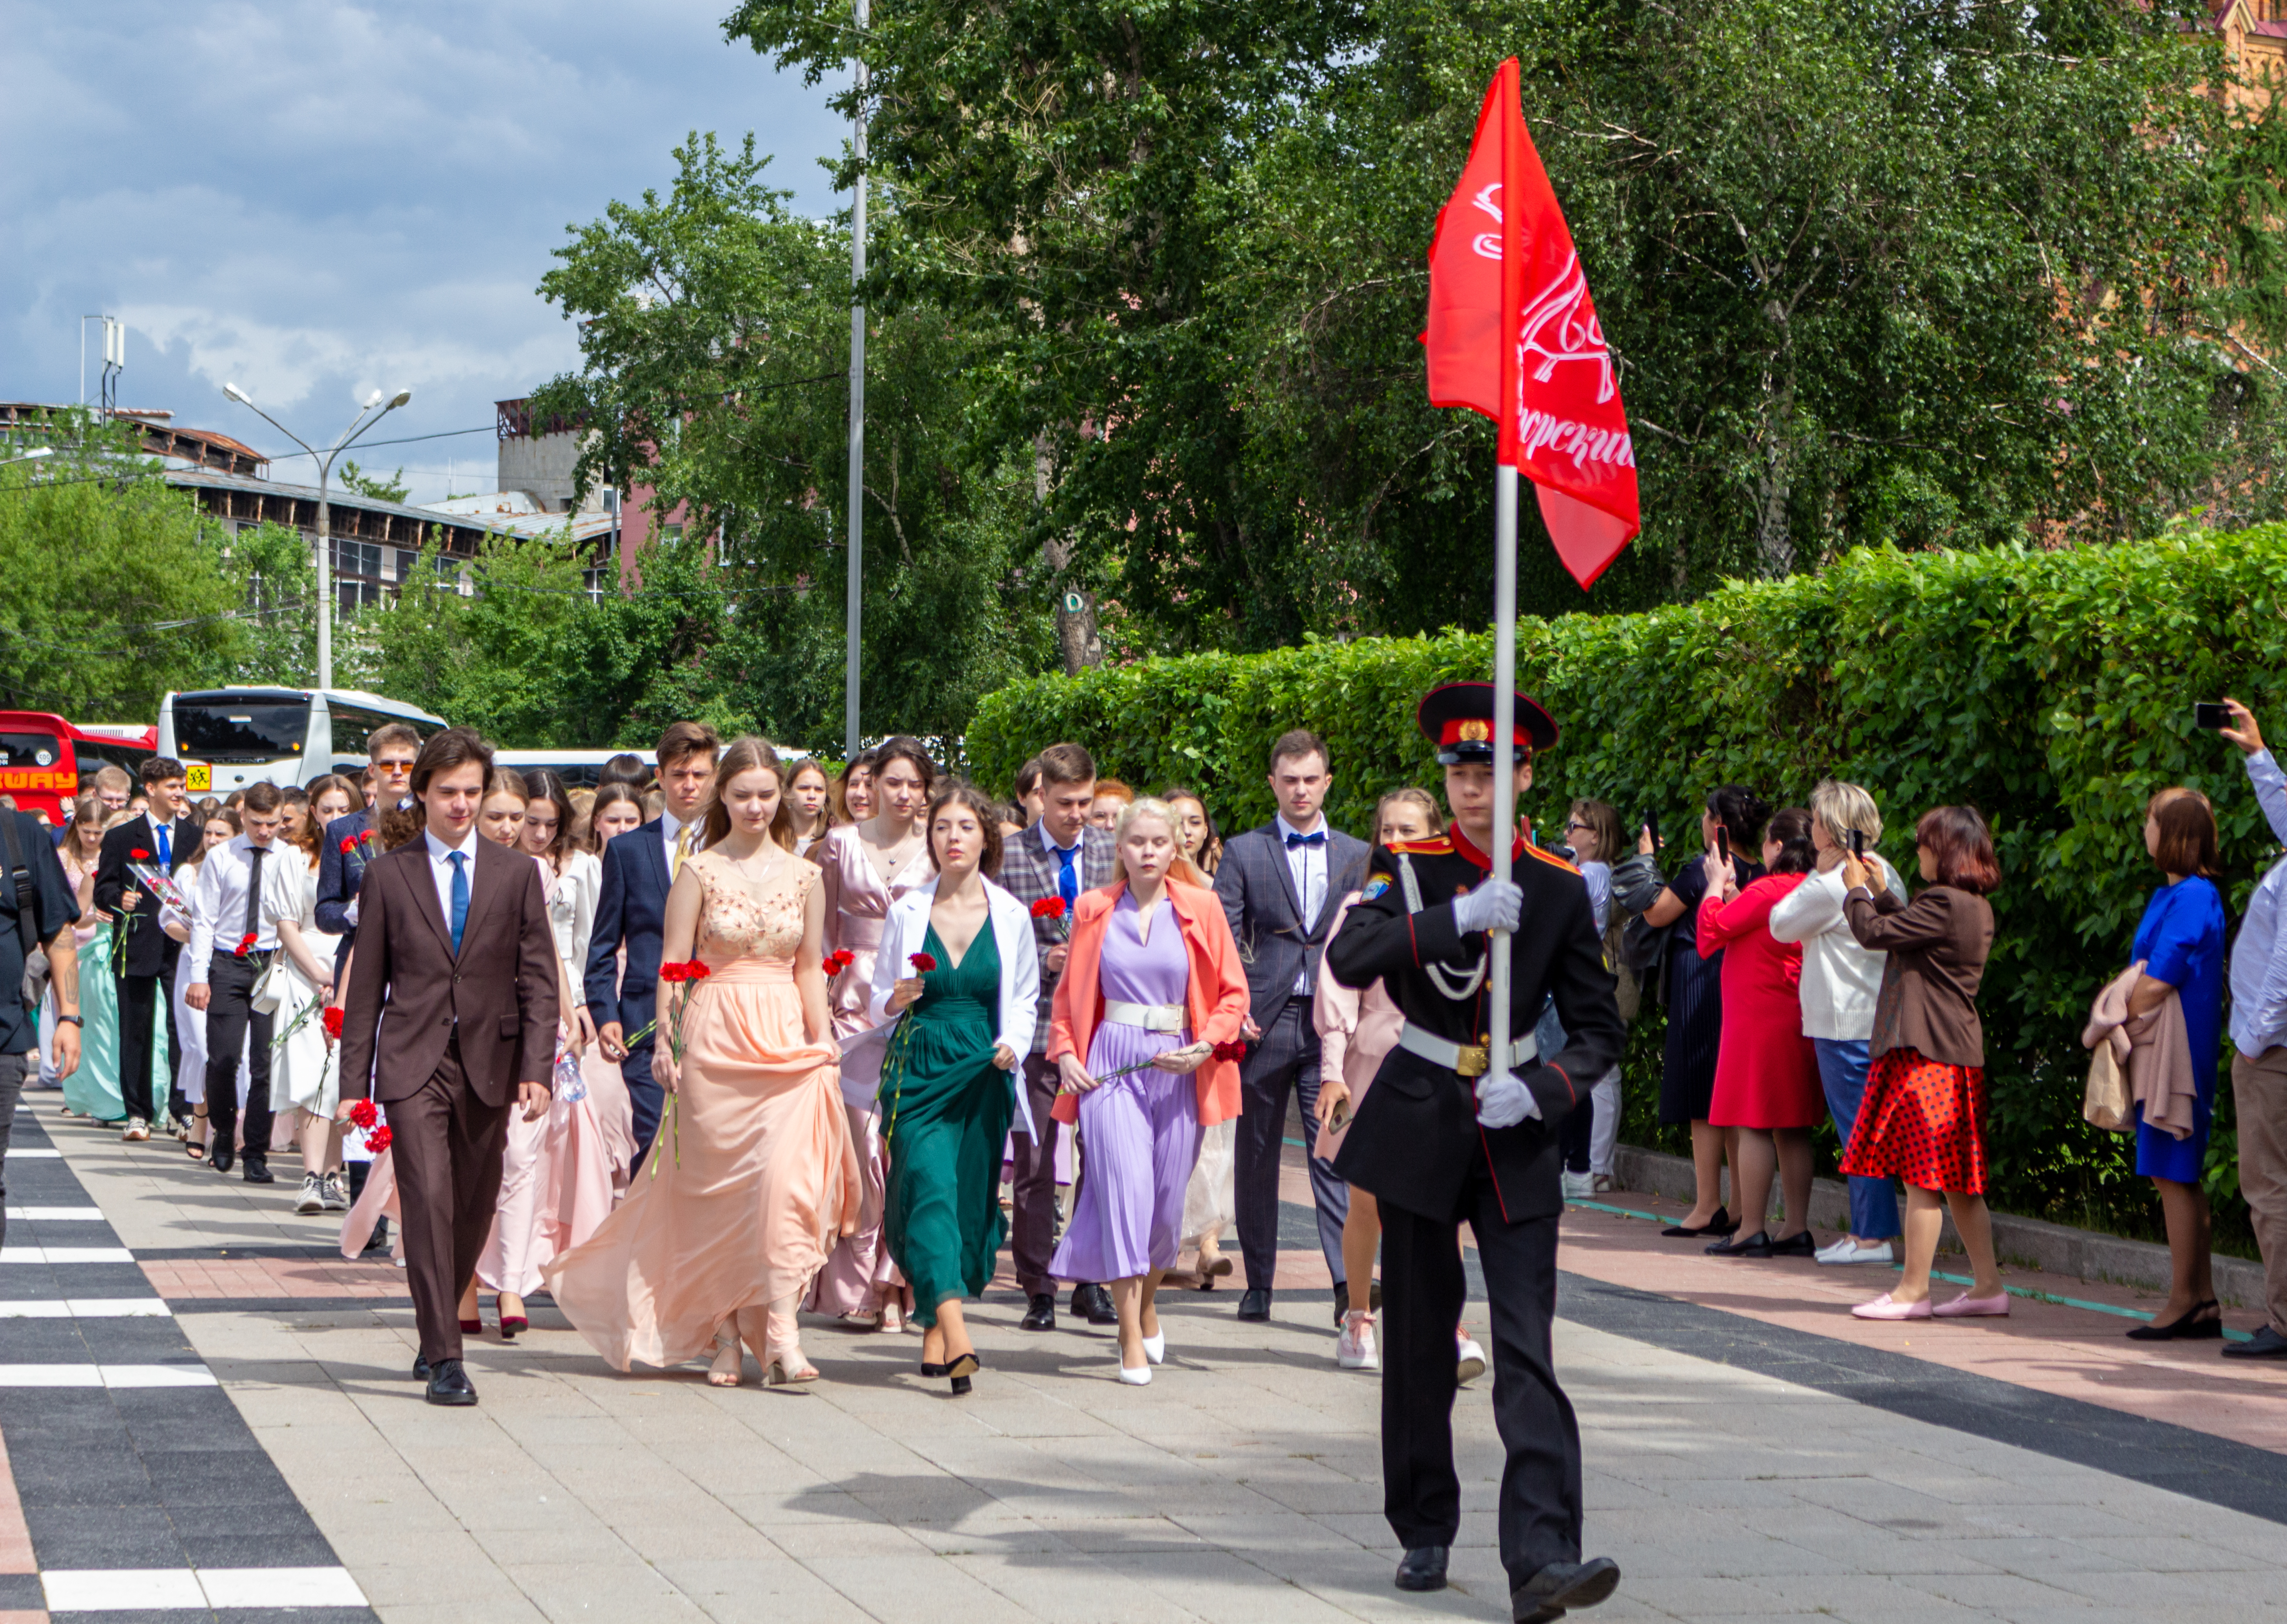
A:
(268, 995)
(2106, 1103)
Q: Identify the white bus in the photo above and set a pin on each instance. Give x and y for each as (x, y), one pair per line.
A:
(229, 738)
(579, 769)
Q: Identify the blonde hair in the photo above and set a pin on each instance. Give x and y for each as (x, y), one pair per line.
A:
(1839, 807)
(1151, 806)
(1399, 797)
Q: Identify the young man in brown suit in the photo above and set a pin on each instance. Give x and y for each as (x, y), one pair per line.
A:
(451, 1018)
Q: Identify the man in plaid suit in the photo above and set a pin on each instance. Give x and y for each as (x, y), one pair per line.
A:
(1281, 886)
(1059, 857)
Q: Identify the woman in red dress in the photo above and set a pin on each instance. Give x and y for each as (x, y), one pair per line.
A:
(1923, 1116)
(1766, 1071)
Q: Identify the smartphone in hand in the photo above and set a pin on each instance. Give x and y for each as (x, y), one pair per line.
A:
(1858, 844)
(1651, 827)
(2214, 718)
(1724, 842)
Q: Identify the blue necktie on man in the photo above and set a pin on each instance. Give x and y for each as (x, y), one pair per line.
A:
(1067, 877)
(460, 895)
(166, 851)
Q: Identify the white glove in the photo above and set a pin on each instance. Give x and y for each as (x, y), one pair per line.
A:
(1493, 905)
(1503, 1101)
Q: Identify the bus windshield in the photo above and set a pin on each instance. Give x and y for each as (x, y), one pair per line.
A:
(232, 728)
(37, 751)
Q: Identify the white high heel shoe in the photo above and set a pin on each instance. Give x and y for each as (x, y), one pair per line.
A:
(1139, 1377)
(1155, 1348)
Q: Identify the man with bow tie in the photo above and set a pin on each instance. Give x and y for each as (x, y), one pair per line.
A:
(1282, 885)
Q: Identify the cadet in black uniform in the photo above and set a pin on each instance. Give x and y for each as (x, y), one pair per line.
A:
(1439, 1142)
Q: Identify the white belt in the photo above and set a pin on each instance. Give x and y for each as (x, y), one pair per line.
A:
(1462, 1059)
(1151, 1017)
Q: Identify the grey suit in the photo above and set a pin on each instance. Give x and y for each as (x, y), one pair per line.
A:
(1281, 950)
(1029, 873)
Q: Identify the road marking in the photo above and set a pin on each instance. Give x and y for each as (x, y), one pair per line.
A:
(58, 1215)
(107, 1376)
(123, 1589)
(88, 1308)
(65, 1254)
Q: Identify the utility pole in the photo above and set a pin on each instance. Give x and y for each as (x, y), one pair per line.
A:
(857, 407)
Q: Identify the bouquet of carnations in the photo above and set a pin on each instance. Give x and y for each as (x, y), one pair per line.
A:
(158, 882)
(674, 974)
(1053, 909)
(365, 1118)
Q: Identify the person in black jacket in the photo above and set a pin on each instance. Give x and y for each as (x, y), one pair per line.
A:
(165, 838)
(1442, 1139)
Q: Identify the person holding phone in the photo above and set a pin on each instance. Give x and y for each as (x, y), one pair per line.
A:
(2258, 1041)
(1731, 822)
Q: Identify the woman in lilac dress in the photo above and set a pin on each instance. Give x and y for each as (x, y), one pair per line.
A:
(1152, 985)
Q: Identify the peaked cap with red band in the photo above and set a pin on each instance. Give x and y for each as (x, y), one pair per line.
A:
(1458, 720)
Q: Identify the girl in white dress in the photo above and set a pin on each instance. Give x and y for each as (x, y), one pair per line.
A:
(301, 1067)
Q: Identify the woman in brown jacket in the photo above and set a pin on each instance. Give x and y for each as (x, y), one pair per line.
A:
(1923, 1117)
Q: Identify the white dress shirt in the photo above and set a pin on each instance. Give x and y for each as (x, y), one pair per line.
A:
(440, 869)
(1308, 865)
(670, 831)
(219, 922)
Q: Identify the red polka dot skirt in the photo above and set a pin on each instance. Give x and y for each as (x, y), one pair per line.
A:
(1921, 1120)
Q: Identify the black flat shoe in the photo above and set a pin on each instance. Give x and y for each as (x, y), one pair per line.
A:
(932, 1371)
(1040, 1313)
(220, 1158)
(1562, 1586)
(1756, 1245)
(1802, 1244)
(1254, 1306)
(449, 1384)
(257, 1172)
(2190, 1327)
(420, 1366)
(1721, 1224)
(1423, 1569)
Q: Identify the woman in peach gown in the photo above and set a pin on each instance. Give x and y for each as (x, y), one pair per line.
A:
(868, 866)
(753, 1178)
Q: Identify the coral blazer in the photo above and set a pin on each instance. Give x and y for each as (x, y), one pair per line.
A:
(1215, 999)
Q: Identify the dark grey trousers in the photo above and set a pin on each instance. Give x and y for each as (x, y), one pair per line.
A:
(1284, 1064)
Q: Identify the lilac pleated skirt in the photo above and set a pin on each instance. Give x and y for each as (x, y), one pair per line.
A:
(1139, 1137)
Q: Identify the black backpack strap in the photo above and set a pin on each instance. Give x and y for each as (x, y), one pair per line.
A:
(27, 889)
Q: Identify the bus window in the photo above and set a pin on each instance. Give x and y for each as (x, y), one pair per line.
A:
(353, 726)
(241, 729)
(34, 752)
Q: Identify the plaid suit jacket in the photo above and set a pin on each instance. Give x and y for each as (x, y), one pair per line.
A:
(1029, 873)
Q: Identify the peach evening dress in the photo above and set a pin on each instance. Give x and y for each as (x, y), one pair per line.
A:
(753, 1177)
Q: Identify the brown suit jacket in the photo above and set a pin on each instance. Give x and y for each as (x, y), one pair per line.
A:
(408, 991)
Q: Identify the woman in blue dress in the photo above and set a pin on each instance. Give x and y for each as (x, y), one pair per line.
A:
(2180, 944)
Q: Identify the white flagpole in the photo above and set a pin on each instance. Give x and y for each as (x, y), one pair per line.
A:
(1504, 739)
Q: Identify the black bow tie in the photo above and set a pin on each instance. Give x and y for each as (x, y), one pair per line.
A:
(1318, 838)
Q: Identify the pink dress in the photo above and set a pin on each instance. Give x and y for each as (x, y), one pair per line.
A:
(1356, 1030)
(752, 1177)
(860, 1276)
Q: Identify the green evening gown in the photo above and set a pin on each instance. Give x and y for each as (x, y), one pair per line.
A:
(945, 1115)
(93, 1089)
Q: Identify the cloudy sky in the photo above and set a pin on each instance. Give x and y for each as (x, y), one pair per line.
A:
(314, 199)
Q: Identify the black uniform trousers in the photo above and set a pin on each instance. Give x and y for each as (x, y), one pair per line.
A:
(231, 1025)
(140, 998)
(1282, 1064)
(1423, 1290)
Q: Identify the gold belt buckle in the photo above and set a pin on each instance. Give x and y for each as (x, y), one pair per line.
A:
(1472, 1060)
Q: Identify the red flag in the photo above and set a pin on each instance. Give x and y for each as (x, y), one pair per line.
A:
(1495, 268)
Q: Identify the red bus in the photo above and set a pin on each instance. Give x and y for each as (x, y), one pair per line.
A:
(45, 760)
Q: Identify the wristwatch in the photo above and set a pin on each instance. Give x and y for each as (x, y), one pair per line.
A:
(74, 1020)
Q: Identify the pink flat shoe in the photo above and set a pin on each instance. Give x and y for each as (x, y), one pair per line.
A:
(1969, 1307)
(1882, 1308)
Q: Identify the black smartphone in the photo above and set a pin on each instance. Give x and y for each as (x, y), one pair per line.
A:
(1724, 842)
(1651, 828)
(2214, 718)
(1858, 844)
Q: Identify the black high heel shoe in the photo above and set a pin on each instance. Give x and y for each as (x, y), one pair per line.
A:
(1721, 1224)
(933, 1371)
(960, 1369)
(1756, 1245)
(2191, 1327)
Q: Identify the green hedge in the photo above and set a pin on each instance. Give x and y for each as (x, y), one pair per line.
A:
(2053, 691)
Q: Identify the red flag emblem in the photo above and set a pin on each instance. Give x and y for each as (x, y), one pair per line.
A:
(1502, 261)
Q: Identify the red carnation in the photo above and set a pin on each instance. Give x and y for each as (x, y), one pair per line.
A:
(364, 1114)
(378, 1140)
(696, 970)
(839, 960)
(672, 971)
(1231, 1051)
(332, 1018)
(245, 946)
(923, 963)
(1048, 907)
(348, 843)
(139, 854)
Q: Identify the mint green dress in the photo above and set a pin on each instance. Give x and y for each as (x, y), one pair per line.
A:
(945, 1115)
(93, 1089)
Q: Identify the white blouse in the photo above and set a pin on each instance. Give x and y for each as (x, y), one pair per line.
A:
(1841, 980)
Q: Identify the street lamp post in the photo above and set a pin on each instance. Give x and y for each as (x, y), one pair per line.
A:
(365, 418)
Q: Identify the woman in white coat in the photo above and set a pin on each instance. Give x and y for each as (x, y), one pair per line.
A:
(960, 977)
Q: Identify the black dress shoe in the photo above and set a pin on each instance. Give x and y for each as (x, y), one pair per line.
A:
(449, 1383)
(1423, 1569)
(1093, 1304)
(1802, 1244)
(378, 1241)
(932, 1370)
(1563, 1585)
(1721, 1224)
(1255, 1304)
(258, 1171)
(2266, 1343)
(219, 1157)
(1040, 1313)
(420, 1366)
(1756, 1245)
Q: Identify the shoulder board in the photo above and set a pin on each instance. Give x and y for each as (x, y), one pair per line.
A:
(1551, 859)
(1441, 847)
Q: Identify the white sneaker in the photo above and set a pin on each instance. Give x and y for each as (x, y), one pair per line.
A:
(1849, 1249)
(336, 1195)
(1470, 1359)
(1354, 1349)
(1579, 1186)
(313, 1194)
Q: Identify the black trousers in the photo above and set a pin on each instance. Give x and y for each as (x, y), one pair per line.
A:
(230, 1026)
(138, 1054)
(1285, 1063)
(13, 1070)
(1423, 1288)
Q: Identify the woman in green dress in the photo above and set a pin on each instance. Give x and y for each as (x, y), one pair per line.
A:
(93, 1089)
(960, 974)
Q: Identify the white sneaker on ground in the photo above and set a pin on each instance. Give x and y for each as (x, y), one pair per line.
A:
(1354, 1349)
(1849, 1249)
(336, 1195)
(1579, 1186)
(313, 1194)
(1470, 1359)
(136, 1129)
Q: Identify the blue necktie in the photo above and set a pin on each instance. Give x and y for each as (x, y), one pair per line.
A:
(1293, 839)
(166, 852)
(1067, 879)
(460, 895)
